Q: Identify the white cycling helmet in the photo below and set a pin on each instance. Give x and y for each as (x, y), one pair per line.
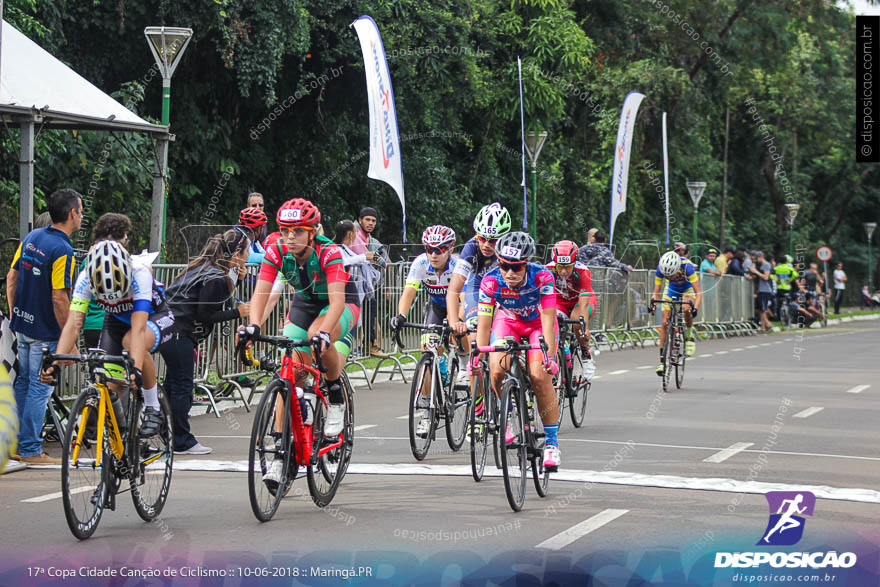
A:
(670, 263)
(515, 247)
(109, 270)
(438, 236)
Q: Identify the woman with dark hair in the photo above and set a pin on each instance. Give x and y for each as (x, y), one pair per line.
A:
(198, 297)
(735, 267)
(110, 226)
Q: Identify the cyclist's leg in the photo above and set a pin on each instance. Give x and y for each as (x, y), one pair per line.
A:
(435, 315)
(541, 380)
(502, 327)
(157, 331)
(669, 294)
(332, 359)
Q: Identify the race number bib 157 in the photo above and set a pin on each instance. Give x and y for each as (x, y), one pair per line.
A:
(509, 251)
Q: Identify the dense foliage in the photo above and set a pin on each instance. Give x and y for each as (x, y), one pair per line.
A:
(453, 66)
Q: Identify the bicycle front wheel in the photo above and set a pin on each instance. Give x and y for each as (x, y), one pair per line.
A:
(513, 452)
(271, 465)
(680, 359)
(84, 482)
(422, 421)
(150, 477)
(667, 358)
(577, 406)
(325, 475)
(479, 431)
(458, 401)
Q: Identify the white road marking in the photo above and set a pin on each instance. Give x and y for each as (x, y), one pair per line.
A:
(752, 346)
(57, 494)
(858, 389)
(566, 537)
(737, 349)
(619, 372)
(404, 417)
(780, 342)
(706, 355)
(765, 344)
(364, 427)
(808, 412)
(645, 367)
(596, 377)
(579, 476)
(728, 452)
(721, 353)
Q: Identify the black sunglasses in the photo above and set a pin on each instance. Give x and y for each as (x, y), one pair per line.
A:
(517, 267)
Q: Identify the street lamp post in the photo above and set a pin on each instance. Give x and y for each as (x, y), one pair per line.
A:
(792, 214)
(534, 144)
(696, 189)
(869, 230)
(167, 45)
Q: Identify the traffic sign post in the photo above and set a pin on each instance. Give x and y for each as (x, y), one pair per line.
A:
(824, 254)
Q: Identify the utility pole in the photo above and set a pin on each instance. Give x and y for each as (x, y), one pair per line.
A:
(724, 181)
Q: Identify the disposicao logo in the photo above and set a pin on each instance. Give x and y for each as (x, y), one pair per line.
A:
(785, 528)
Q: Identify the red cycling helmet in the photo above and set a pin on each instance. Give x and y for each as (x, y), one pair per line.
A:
(298, 212)
(252, 218)
(564, 252)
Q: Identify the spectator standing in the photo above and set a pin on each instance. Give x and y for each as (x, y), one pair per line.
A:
(43, 220)
(114, 227)
(723, 259)
(597, 254)
(254, 220)
(38, 289)
(198, 298)
(839, 286)
(365, 242)
(708, 264)
(735, 266)
(761, 271)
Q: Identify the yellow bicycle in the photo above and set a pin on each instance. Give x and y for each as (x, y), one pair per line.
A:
(101, 447)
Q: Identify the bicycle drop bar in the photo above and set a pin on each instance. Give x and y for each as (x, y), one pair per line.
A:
(94, 358)
(440, 329)
(580, 321)
(654, 302)
(246, 354)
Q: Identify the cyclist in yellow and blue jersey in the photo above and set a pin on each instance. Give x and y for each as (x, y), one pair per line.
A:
(681, 284)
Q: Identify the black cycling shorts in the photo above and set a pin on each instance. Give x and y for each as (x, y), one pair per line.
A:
(160, 324)
(436, 313)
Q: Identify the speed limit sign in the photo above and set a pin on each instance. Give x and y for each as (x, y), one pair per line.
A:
(824, 254)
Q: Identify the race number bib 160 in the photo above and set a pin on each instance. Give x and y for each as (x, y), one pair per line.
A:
(290, 214)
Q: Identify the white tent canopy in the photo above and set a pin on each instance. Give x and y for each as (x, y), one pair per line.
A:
(38, 89)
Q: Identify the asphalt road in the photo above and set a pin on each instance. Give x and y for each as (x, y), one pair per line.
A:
(651, 477)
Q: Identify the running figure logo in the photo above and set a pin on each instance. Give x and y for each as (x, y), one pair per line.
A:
(786, 526)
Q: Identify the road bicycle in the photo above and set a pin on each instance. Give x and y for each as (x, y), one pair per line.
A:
(297, 439)
(518, 410)
(484, 424)
(785, 317)
(674, 355)
(571, 384)
(101, 447)
(449, 400)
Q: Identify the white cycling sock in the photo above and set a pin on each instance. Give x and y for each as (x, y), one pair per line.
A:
(151, 397)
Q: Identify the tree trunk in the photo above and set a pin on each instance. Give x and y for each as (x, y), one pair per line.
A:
(724, 181)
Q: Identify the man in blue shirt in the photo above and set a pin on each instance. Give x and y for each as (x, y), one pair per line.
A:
(38, 288)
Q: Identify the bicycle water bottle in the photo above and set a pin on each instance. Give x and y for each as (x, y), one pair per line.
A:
(568, 357)
(444, 369)
(531, 416)
(304, 406)
(307, 405)
(118, 410)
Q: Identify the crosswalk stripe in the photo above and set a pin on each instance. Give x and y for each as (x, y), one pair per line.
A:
(56, 495)
(580, 530)
(619, 372)
(365, 427)
(858, 389)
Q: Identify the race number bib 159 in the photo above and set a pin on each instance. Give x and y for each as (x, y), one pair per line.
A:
(563, 260)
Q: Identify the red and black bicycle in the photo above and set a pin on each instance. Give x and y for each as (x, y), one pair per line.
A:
(289, 435)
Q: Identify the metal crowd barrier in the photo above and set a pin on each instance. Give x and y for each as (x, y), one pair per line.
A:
(621, 319)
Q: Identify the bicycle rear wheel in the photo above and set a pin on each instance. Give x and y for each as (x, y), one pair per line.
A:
(513, 453)
(270, 452)
(84, 483)
(479, 432)
(326, 471)
(423, 374)
(149, 489)
(577, 404)
(458, 401)
(667, 357)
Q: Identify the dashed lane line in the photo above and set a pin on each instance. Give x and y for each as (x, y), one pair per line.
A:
(580, 530)
(808, 412)
(728, 452)
(858, 389)
(57, 494)
(619, 372)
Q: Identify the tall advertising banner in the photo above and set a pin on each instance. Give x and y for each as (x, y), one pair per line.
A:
(385, 160)
(666, 177)
(621, 157)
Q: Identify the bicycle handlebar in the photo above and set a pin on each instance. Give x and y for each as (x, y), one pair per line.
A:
(510, 344)
(441, 329)
(93, 357)
(654, 302)
(580, 320)
(246, 354)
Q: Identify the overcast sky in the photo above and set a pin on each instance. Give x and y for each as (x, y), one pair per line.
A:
(862, 6)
